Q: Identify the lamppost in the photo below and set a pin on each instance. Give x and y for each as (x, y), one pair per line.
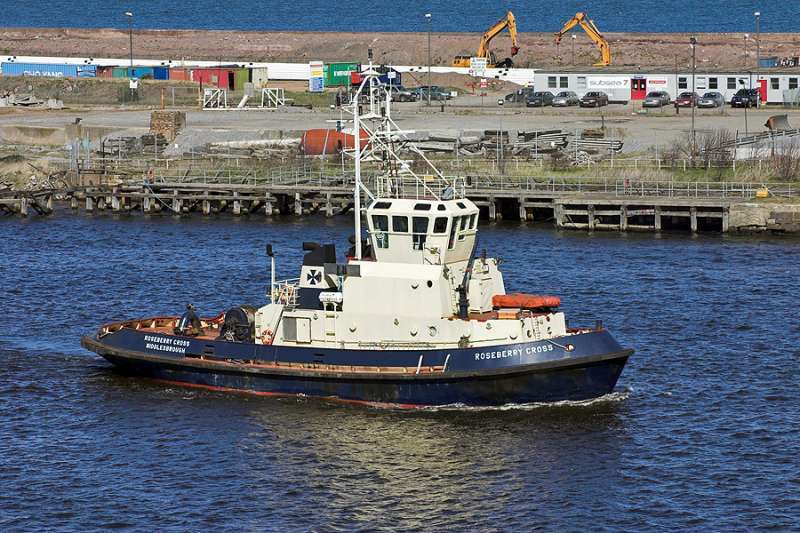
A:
(757, 14)
(693, 42)
(129, 15)
(428, 16)
(746, 105)
(746, 37)
(574, 38)
(500, 153)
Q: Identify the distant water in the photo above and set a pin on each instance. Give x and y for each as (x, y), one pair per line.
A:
(702, 433)
(404, 15)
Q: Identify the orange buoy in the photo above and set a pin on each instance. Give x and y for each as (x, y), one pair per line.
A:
(525, 301)
(329, 142)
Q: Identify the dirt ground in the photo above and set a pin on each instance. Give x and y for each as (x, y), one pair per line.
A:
(715, 50)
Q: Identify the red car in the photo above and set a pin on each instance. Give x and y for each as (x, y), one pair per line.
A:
(687, 99)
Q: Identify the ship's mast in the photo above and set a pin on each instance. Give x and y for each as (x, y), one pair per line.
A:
(357, 191)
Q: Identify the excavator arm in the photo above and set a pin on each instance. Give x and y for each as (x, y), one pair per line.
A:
(594, 34)
(510, 22)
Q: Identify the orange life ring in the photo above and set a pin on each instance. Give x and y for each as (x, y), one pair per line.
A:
(266, 336)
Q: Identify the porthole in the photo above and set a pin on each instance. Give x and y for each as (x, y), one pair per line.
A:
(430, 284)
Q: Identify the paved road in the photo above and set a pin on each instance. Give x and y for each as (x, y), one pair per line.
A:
(639, 132)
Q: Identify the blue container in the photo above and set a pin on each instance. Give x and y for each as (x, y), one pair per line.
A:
(768, 62)
(142, 72)
(160, 73)
(45, 70)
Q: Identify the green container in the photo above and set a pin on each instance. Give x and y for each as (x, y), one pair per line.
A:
(119, 72)
(338, 74)
(240, 77)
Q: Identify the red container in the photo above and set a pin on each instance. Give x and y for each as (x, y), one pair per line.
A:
(179, 74)
(329, 142)
(105, 72)
(221, 78)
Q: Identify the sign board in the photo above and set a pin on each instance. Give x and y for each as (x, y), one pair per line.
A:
(477, 66)
(484, 83)
(316, 80)
(607, 83)
(392, 75)
(656, 82)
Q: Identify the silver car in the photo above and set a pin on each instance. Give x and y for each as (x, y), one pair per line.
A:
(711, 99)
(656, 99)
(565, 99)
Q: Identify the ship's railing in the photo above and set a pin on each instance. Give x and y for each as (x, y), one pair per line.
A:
(427, 187)
(285, 292)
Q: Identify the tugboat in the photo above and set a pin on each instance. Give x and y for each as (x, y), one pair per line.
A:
(412, 316)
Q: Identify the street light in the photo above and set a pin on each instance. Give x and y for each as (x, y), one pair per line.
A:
(130, 35)
(693, 42)
(746, 37)
(500, 154)
(757, 14)
(746, 105)
(574, 38)
(428, 16)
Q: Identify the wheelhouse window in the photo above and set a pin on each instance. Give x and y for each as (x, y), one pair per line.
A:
(400, 224)
(440, 225)
(453, 231)
(419, 230)
(422, 207)
(473, 221)
(464, 227)
(380, 226)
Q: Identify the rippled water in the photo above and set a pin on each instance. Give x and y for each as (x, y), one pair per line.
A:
(401, 15)
(702, 433)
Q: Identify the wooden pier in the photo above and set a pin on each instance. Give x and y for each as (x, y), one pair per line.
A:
(586, 206)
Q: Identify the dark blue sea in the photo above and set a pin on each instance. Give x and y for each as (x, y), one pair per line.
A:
(701, 434)
(404, 15)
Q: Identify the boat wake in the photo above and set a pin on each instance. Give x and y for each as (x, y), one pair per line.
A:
(610, 398)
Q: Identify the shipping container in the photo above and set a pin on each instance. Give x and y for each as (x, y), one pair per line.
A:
(768, 62)
(49, 71)
(260, 77)
(338, 74)
(105, 72)
(160, 73)
(142, 73)
(220, 78)
(119, 72)
(179, 74)
(328, 142)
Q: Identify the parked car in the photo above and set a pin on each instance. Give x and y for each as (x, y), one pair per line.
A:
(687, 99)
(401, 94)
(565, 99)
(540, 99)
(437, 93)
(746, 98)
(711, 99)
(656, 99)
(594, 99)
(520, 96)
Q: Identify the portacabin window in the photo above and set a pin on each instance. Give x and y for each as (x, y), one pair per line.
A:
(713, 83)
(775, 83)
(792, 83)
(563, 82)
(551, 82)
(419, 231)
(683, 83)
(731, 83)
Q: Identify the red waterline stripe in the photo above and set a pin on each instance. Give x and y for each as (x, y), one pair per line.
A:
(380, 405)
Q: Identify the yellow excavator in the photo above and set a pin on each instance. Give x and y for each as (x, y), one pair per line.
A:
(483, 49)
(594, 34)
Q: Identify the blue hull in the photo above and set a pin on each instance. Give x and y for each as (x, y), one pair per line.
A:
(576, 367)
